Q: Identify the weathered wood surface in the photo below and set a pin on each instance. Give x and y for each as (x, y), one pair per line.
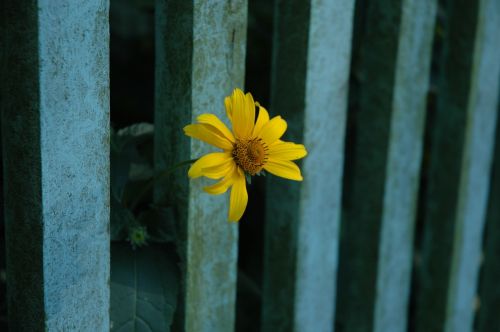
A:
(55, 118)
(403, 164)
(309, 89)
(488, 318)
(385, 141)
(200, 59)
(475, 173)
(459, 167)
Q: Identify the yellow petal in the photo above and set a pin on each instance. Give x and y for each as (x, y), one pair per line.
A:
(287, 150)
(283, 168)
(220, 170)
(250, 112)
(273, 130)
(243, 115)
(239, 197)
(262, 119)
(208, 161)
(208, 134)
(214, 121)
(222, 186)
(229, 108)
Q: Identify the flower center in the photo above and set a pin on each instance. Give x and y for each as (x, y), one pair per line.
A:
(250, 155)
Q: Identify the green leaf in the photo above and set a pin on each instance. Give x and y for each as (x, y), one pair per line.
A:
(120, 168)
(131, 155)
(144, 286)
(140, 172)
(121, 218)
(136, 130)
(137, 193)
(136, 142)
(159, 222)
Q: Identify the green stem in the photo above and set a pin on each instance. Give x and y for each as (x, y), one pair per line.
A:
(157, 179)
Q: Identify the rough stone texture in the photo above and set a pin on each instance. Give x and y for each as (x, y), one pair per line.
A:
(200, 60)
(309, 89)
(403, 165)
(56, 141)
(459, 165)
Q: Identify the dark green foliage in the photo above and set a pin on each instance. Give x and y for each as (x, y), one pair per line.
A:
(144, 274)
(159, 222)
(121, 217)
(132, 183)
(144, 285)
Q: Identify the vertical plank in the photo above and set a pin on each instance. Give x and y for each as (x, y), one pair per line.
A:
(461, 155)
(200, 58)
(475, 172)
(383, 171)
(55, 118)
(489, 292)
(403, 164)
(309, 89)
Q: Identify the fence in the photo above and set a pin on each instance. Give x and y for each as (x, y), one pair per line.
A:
(354, 215)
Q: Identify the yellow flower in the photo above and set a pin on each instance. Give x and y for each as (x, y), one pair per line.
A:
(251, 147)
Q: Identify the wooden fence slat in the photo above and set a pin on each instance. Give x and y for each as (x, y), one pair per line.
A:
(475, 173)
(403, 164)
(309, 89)
(386, 140)
(459, 168)
(200, 57)
(55, 118)
(489, 292)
